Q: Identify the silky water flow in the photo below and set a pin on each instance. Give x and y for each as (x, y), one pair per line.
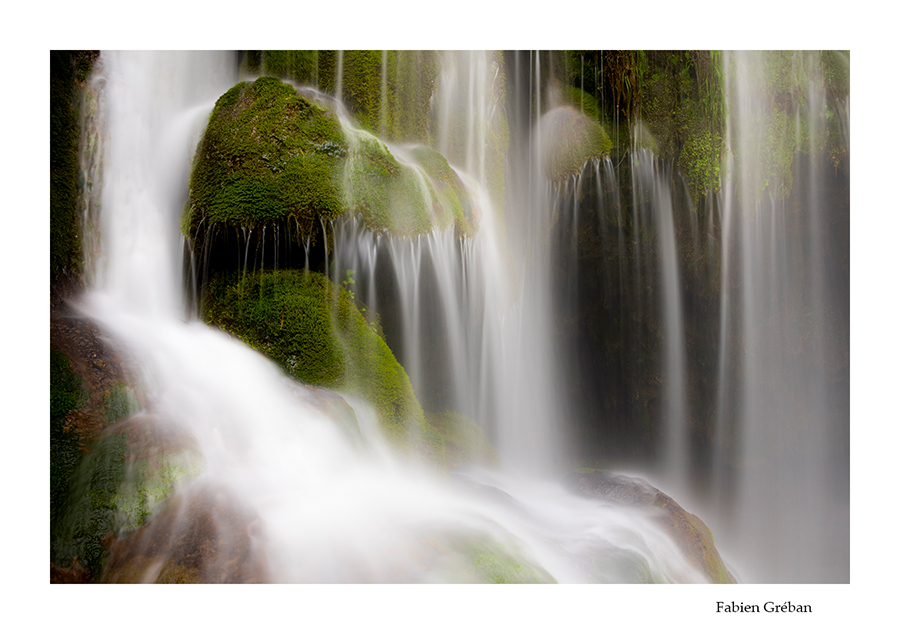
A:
(324, 501)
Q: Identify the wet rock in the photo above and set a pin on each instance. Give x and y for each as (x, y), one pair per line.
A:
(570, 139)
(688, 531)
(202, 535)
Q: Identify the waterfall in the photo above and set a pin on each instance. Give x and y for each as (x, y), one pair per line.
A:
(593, 321)
(785, 296)
(295, 491)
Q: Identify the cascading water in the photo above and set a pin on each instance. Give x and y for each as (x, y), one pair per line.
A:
(297, 494)
(600, 314)
(786, 295)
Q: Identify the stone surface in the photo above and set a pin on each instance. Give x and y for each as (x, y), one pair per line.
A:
(687, 530)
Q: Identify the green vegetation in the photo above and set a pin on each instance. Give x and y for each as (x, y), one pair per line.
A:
(67, 393)
(90, 511)
(268, 155)
(118, 485)
(316, 333)
(571, 139)
(68, 72)
(452, 203)
(386, 193)
(585, 102)
(464, 441)
(387, 92)
(493, 564)
(670, 102)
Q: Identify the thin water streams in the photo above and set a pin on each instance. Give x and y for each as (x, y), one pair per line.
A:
(491, 325)
(328, 502)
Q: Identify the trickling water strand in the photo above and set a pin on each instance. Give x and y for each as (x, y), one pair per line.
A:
(384, 93)
(339, 77)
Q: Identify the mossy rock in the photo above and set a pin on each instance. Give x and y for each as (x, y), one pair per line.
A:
(317, 334)
(688, 531)
(67, 393)
(272, 157)
(408, 77)
(386, 193)
(268, 155)
(119, 483)
(69, 71)
(454, 203)
(582, 101)
(570, 139)
(495, 563)
(475, 556)
(465, 442)
(201, 534)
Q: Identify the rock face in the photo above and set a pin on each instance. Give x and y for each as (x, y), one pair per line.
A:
(688, 531)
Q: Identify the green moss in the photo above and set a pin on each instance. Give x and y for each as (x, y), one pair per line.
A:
(836, 74)
(148, 480)
(571, 139)
(119, 402)
(453, 201)
(268, 155)
(787, 79)
(361, 88)
(412, 80)
(493, 563)
(388, 95)
(117, 486)
(68, 72)
(90, 513)
(386, 193)
(701, 160)
(67, 393)
(316, 333)
(464, 441)
(301, 66)
(585, 102)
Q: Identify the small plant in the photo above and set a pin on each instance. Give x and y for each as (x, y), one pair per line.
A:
(348, 282)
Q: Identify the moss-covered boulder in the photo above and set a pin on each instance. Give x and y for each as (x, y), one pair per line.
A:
(570, 139)
(386, 193)
(317, 334)
(119, 483)
(465, 442)
(688, 531)
(268, 155)
(90, 391)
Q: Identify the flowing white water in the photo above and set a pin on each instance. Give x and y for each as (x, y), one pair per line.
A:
(330, 503)
(792, 496)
